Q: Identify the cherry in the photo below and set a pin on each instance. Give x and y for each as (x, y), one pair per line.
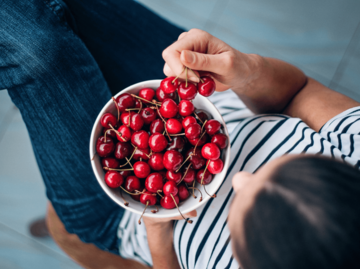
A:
(186, 108)
(132, 184)
(141, 169)
(125, 101)
(110, 162)
(216, 166)
(136, 122)
(104, 147)
(107, 119)
(154, 182)
(172, 160)
(173, 176)
(168, 86)
(156, 161)
(125, 133)
(137, 103)
(109, 132)
(170, 187)
(187, 93)
(210, 151)
(125, 117)
(140, 139)
(207, 87)
(148, 197)
(196, 141)
(141, 154)
(183, 192)
(177, 143)
(208, 177)
(190, 175)
(220, 140)
(125, 174)
(167, 202)
(136, 197)
(203, 115)
(163, 174)
(188, 120)
(173, 126)
(157, 142)
(148, 115)
(168, 108)
(192, 131)
(157, 126)
(113, 179)
(147, 94)
(196, 159)
(161, 95)
(212, 127)
(122, 150)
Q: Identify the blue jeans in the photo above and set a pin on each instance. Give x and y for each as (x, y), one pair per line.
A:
(60, 61)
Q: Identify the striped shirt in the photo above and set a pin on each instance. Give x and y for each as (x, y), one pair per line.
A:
(255, 140)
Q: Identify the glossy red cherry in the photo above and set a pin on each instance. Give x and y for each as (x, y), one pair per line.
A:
(147, 94)
(187, 93)
(183, 192)
(122, 150)
(124, 118)
(113, 179)
(170, 187)
(210, 151)
(156, 161)
(220, 140)
(190, 175)
(109, 132)
(148, 198)
(186, 108)
(202, 141)
(168, 108)
(125, 101)
(161, 95)
(172, 160)
(212, 127)
(137, 103)
(203, 115)
(154, 182)
(136, 122)
(132, 184)
(207, 87)
(173, 176)
(168, 203)
(192, 131)
(157, 142)
(141, 154)
(125, 133)
(177, 143)
(196, 159)
(141, 169)
(107, 119)
(157, 126)
(208, 177)
(168, 86)
(148, 115)
(140, 139)
(110, 162)
(188, 120)
(216, 166)
(104, 147)
(173, 126)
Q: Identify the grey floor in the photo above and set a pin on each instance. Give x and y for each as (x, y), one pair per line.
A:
(320, 37)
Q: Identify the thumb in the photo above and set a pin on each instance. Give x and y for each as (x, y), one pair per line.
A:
(202, 62)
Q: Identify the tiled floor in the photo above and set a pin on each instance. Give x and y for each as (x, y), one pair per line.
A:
(321, 37)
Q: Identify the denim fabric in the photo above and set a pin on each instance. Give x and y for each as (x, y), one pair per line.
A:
(60, 61)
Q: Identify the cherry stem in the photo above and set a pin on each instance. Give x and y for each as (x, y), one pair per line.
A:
(197, 116)
(117, 107)
(178, 76)
(196, 75)
(136, 191)
(199, 141)
(147, 203)
(126, 203)
(212, 196)
(149, 154)
(140, 107)
(202, 178)
(130, 109)
(194, 188)
(158, 192)
(105, 136)
(133, 95)
(177, 134)
(128, 160)
(184, 162)
(186, 77)
(202, 127)
(164, 123)
(178, 96)
(188, 221)
(155, 211)
(186, 171)
(129, 119)
(93, 157)
(120, 135)
(113, 169)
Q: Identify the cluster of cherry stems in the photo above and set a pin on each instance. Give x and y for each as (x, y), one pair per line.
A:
(161, 161)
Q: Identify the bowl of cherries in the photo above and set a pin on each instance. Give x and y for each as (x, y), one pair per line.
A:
(160, 148)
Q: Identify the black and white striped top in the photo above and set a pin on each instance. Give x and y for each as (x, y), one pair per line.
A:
(255, 140)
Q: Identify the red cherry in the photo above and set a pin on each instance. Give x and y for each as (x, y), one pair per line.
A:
(192, 131)
(132, 184)
(168, 86)
(196, 159)
(168, 108)
(216, 166)
(190, 175)
(168, 203)
(109, 132)
(173, 176)
(125, 133)
(163, 174)
(104, 147)
(207, 87)
(203, 115)
(157, 126)
(212, 127)
(136, 122)
(187, 93)
(148, 198)
(141, 169)
(113, 179)
(140, 139)
(148, 115)
(156, 161)
(186, 108)
(107, 119)
(161, 95)
(210, 151)
(172, 160)
(173, 126)
(170, 187)
(137, 103)
(147, 94)
(183, 192)
(154, 182)
(110, 162)
(136, 197)
(122, 150)
(220, 140)
(202, 141)
(125, 117)
(177, 143)
(141, 154)
(208, 177)
(125, 101)
(157, 142)
(188, 120)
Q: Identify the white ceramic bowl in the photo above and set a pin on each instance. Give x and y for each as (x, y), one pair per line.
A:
(188, 205)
